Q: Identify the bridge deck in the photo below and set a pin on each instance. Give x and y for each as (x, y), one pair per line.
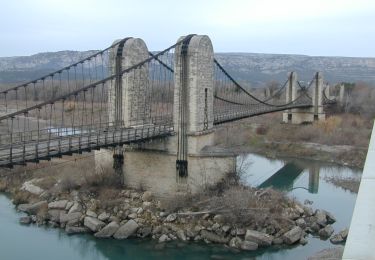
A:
(35, 150)
(361, 239)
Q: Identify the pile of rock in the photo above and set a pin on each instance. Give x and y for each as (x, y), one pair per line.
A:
(137, 214)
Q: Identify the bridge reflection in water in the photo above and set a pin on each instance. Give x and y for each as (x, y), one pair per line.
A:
(286, 178)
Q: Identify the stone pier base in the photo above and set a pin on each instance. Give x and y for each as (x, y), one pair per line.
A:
(300, 117)
(153, 166)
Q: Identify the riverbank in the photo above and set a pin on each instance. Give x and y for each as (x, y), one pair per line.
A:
(238, 217)
(341, 139)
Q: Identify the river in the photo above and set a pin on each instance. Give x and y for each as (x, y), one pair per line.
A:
(302, 179)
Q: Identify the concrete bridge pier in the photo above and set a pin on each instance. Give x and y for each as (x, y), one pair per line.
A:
(187, 161)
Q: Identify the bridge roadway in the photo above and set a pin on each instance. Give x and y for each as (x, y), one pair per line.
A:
(234, 112)
(58, 145)
(361, 239)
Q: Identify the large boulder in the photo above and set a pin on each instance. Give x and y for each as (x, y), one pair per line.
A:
(126, 230)
(104, 216)
(248, 245)
(54, 215)
(70, 217)
(321, 217)
(31, 187)
(235, 242)
(293, 235)
(108, 230)
(32, 209)
(262, 239)
(60, 204)
(330, 218)
(75, 208)
(213, 237)
(93, 224)
(326, 232)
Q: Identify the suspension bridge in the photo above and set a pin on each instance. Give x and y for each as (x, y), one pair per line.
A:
(125, 94)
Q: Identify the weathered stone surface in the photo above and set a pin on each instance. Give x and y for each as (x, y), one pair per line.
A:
(126, 230)
(301, 222)
(181, 235)
(108, 230)
(147, 196)
(326, 232)
(31, 187)
(260, 238)
(60, 204)
(171, 218)
(25, 220)
(330, 218)
(344, 233)
(240, 231)
(104, 216)
(321, 217)
(69, 205)
(303, 241)
(91, 213)
(93, 224)
(32, 209)
(328, 254)
(163, 238)
(70, 217)
(219, 218)
(235, 242)
(212, 237)
(248, 245)
(54, 215)
(132, 216)
(75, 230)
(293, 235)
(144, 231)
(336, 239)
(277, 241)
(75, 208)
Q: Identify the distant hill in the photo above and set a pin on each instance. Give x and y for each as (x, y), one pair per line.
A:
(249, 68)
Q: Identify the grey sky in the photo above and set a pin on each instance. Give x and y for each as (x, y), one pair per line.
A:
(313, 27)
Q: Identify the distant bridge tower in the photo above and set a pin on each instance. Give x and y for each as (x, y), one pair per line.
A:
(315, 92)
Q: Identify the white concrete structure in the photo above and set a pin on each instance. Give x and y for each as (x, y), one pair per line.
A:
(361, 239)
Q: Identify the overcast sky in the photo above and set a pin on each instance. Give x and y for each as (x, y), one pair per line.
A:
(312, 27)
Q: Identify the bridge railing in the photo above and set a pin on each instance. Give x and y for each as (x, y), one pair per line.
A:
(81, 119)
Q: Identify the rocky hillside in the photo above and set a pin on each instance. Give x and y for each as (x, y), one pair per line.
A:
(251, 68)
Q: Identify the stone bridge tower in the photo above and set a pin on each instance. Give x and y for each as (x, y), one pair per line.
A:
(315, 92)
(187, 160)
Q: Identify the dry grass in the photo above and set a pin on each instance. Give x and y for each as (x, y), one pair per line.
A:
(235, 202)
(102, 178)
(21, 197)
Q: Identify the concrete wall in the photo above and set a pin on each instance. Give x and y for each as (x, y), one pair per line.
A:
(156, 170)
